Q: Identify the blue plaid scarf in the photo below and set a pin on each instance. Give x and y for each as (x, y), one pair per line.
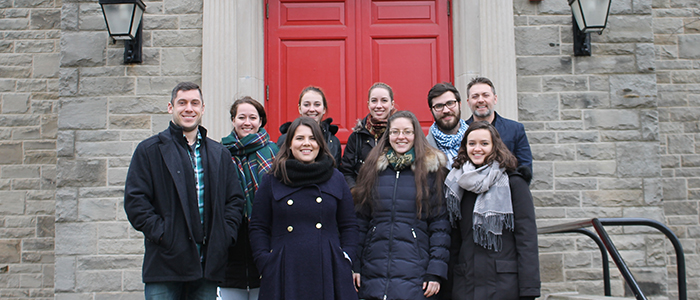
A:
(253, 156)
(449, 143)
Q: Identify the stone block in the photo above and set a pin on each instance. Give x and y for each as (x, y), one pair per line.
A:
(577, 137)
(642, 6)
(10, 251)
(81, 172)
(135, 136)
(620, 183)
(571, 115)
(133, 282)
(681, 144)
(91, 210)
(668, 25)
(108, 262)
(102, 192)
(181, 61)
(130, 122)
(65, 143)
(593, 212)
(690, 25)
(43, 19)
(537, 40)
(689, 46)
(627, 28)
(605, 64)
(138, 105)
(162, 22)
(535, 20)
(70, 243)
(159, 123)
(103, 86)
(7, 46)
(113, 230)
(91, 18)
(15, 103)
(38, 86)
(680, 208)
(582, 100)
(616, 119)
(564, 83)
(160, 86)
(102, 149)
(182, 7)
(692, 160)
(556, 199)
(553, 152)
(31, 133)
(98, 281)
(584, 168)
(566, 125)
(83, 113)
(15, 72)
(674, 65)
(645, 56)
(575, 184)
(538, 107)
(109, 71)
(633, 91)
(612, 198)
(96, 136)
(85, 51)
(551, 267)
(20, 171)
(120, 162)
(685, 114)
(584, 274)
(116, 176)
(639, 160)
(543, 179)
(14, 24)
(684, 76)
(177, 38)
(544, 65)
(548, 212)
(26, 184)
(532, 84)
(191, 21)
(19, 120)
(599, 151)
(11, 153)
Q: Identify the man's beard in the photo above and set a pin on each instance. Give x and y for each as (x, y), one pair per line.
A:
(446, 126)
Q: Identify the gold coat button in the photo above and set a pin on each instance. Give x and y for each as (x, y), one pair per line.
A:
(290, 202)
(319, 225)
(290, 228)
(319, 200)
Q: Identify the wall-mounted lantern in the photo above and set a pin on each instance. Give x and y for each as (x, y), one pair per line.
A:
(123, 18)
(588, 16)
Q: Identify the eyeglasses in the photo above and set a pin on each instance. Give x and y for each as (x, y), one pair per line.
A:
(450, 105)
(396, 132)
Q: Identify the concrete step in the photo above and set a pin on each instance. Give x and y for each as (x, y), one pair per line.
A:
(576, 296)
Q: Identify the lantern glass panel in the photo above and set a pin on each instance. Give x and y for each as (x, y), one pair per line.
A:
(119, 19)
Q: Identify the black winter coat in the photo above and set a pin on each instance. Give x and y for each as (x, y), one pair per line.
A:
(513, 272)
(158, 195)
(360, 143)
(329, 131)
(400, 251)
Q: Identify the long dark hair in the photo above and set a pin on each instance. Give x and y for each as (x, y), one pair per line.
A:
(365, 191)
(279, 166)
(499, 151)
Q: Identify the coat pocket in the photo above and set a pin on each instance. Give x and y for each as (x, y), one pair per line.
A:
(506, 266)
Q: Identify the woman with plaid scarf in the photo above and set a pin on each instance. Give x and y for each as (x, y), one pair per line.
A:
(252, 153)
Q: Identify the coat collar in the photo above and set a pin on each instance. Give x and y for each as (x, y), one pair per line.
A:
(281, 191)
(433, 160)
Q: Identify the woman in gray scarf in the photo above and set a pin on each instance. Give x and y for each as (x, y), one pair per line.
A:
(493, 219)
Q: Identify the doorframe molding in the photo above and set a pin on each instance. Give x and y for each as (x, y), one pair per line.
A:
(233, 49)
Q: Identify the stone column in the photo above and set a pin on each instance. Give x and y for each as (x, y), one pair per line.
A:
(484, 45)
(232, 59)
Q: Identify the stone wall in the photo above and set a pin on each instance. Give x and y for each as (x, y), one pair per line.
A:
(677, 47)
(29, 56)
(106, 109)
(613, 135)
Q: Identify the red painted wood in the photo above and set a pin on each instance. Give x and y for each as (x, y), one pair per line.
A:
(345, 46)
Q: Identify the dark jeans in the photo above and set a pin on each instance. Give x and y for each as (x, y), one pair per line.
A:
(200, 289)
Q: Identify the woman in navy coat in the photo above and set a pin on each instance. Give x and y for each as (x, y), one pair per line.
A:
(404, 231)
(303, 230)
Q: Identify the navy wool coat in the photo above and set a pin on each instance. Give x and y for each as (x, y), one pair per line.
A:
(157, 200)
(299, 237)
(513, 272)
(399, 251)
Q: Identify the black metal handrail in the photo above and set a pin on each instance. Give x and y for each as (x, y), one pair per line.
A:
(603, 240)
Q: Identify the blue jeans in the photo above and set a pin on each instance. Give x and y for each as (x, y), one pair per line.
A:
(200, 289)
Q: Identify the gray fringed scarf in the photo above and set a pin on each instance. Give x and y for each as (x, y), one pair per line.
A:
(493, 209)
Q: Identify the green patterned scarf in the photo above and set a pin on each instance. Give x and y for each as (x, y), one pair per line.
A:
(400, 161)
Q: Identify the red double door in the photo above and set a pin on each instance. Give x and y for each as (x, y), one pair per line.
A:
(345, 46)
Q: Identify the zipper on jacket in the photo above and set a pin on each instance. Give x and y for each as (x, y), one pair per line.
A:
(414, 234)
(391, 231)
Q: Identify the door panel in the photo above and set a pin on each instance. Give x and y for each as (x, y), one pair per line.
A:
(345, 46)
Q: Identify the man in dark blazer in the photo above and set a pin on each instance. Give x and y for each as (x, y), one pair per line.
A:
(481, 97)
(182, 193)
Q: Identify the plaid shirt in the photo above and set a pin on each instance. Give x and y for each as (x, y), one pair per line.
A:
(196, 160)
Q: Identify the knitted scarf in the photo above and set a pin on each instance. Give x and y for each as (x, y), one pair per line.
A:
(493, 209)
(253, 155)
(400, 161)
(377, 127)
(302, 174)
(449, 143)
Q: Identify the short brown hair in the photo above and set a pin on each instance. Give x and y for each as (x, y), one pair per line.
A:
(254, 103)
(185, 86)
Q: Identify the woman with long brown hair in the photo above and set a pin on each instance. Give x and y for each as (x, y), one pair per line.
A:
(404, 231)
(491, 210)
